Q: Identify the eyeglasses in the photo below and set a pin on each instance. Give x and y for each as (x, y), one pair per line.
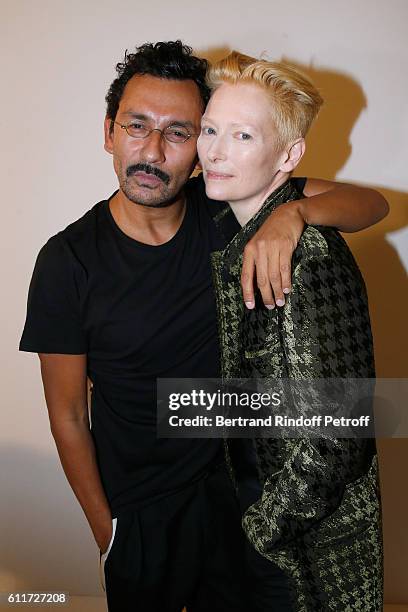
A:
(172, 133)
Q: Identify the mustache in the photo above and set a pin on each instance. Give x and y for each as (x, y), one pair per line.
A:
(143, 167)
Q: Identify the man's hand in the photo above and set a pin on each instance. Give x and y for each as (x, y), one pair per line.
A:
(268, 256)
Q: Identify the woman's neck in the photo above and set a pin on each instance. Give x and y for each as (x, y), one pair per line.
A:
(245, 210)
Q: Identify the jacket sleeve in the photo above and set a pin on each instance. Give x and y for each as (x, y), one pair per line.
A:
(325, 333)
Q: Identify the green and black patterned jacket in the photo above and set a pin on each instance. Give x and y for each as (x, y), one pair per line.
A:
(319, 517)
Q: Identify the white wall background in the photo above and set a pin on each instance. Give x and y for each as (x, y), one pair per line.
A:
(57, 62)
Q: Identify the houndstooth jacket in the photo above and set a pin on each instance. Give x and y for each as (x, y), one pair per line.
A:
(319, 515)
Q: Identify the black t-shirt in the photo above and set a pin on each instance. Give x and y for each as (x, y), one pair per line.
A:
(139, 312)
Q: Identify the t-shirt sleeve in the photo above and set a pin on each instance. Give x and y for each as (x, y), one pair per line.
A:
(300, 182)
(53, 322)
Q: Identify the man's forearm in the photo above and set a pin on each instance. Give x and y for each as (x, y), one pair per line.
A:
(77, 453)
(345, 207)
(268, 255)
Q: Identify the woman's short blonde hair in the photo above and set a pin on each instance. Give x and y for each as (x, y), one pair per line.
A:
(295, 101)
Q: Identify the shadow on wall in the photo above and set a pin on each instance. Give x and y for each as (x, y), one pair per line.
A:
(328, 141)
(46, 544)
(386, 279)
(328, 148)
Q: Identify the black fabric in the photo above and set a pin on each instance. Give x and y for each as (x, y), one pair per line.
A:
(300, 182)
(267, 585)
(139, 312)
(185, 550)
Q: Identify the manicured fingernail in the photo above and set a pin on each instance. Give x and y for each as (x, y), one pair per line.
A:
(286, 290)
(250, 305)
(280, 302)
(270, 306)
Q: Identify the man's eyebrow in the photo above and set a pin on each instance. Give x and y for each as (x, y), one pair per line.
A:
(134, 115)
(179, 123)
(175, 122)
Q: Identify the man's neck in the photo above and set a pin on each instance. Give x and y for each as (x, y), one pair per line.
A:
(147, 224)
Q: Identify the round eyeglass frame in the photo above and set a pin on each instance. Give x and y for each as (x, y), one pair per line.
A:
(125, 127)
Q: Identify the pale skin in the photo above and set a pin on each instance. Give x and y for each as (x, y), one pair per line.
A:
(136, 209)
(242, 164)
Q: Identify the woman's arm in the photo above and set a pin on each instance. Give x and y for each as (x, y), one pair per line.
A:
(267, 256)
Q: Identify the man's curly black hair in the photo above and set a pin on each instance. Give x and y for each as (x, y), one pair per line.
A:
(166, 60)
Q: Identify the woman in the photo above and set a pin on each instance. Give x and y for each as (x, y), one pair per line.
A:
(311, 506)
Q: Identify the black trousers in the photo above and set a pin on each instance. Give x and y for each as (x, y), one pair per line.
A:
(187, 549)
(267, 585)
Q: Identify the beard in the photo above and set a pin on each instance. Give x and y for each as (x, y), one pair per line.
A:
(159, 196)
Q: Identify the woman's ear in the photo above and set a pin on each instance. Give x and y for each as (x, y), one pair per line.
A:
(293, 155)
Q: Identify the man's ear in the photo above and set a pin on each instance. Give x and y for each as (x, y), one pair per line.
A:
(108, 130)
(293, 155)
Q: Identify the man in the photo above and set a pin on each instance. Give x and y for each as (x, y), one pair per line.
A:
(124, 296)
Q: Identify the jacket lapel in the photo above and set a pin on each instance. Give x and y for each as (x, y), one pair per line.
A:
(226, 267)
